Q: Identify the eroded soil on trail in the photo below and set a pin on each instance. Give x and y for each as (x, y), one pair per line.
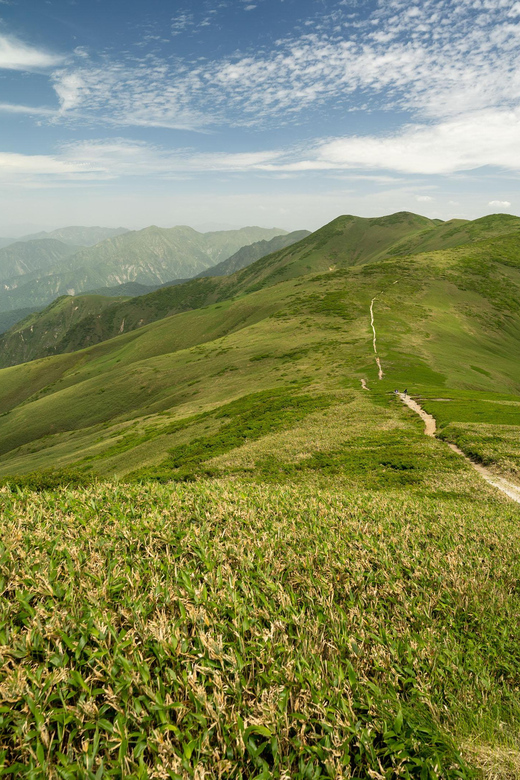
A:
(511, 490)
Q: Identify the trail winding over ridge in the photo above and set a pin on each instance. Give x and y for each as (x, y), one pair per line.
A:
(430, 426)
(374, 340)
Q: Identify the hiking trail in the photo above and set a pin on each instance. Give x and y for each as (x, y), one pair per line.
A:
(430, 426)
(374, 340)
(511, 490)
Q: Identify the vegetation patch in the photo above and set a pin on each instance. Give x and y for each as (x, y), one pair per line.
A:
(246, 419)
(49, 479)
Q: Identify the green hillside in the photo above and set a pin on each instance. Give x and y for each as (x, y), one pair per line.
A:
(253, 252)
(246, 333)
(10, 318)
(24, 257)
(344, 242)
(456, 232)
(335, 243)
(40, 333)
(283, 576)
(126, 290)
(53, 333)
(151, 256)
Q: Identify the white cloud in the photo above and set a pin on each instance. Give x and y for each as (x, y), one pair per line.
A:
(460, 144)
(499, 204)
(13, 108)
(118, 158)
(16, 55)
(440, 149)
(38, 170)
(424, 199)
(70, 88)
(436, 59)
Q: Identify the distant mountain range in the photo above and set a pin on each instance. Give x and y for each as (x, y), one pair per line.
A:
(252, 252)
(34, 273)
(26, 257)
(77, 235)
(72, 323)
(245, 256)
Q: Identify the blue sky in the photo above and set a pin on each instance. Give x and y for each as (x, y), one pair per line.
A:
(271, 112)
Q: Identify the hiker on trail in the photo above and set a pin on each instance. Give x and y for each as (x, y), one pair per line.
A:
(405, 392)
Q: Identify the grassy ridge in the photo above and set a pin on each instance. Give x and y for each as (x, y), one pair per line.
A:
(242, 631)
(315, 329)
(292, 581)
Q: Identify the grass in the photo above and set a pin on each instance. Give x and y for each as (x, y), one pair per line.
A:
(227, 630)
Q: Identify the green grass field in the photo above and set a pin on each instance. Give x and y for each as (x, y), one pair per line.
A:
(224, 629)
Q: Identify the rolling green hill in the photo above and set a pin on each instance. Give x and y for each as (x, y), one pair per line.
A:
(262, 333)
(344, 242)
(41, 333)
(456, 232)
(283, 576)
(150, 256)
(28, 340)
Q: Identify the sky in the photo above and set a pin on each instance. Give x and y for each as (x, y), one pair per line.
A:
(286, 113)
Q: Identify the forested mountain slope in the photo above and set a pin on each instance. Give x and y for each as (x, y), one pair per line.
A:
(25, 257)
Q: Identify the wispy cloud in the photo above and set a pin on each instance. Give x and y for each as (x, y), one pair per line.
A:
(181, 22)
(13, 108)
(109, 159)
(454, 68)
(439, 150)
(17, 55)
(486, 138)
(435, 60)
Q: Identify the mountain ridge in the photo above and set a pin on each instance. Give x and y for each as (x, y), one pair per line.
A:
(345, 242)
(150, 256)
(448, 323)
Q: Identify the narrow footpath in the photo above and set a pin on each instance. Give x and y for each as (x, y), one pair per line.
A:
(374, 340)
(430, 426)
(513, 491)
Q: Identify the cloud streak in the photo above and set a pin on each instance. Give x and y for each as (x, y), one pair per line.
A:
(486, 138)
(17, 55)
(418, 150)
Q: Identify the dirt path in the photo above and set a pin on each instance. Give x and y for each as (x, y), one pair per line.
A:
(429, 421)
(513, 491)
(374, 340)
(430, 426)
